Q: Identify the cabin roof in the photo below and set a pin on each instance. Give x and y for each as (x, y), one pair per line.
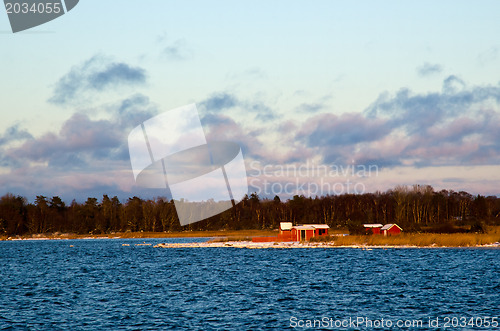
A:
(303, 227)
(320, 226)
(313, 226)
(390, 225)
(286, 225)
(373, 225)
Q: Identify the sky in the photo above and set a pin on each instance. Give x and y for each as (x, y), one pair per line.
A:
(378, 93)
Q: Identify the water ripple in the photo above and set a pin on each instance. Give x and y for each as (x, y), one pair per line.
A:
(100, 284)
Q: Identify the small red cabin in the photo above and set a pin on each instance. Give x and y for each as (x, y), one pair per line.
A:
(391, 230)
(288, 232)
(285, 233)
(373, 228)
(308, 231)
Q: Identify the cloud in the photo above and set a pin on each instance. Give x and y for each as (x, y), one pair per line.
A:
(455, 127)
(313, 106)
(336, 138)
(79, 134)
(134, 110)
(178, 50)
(14, 133)
(346, 129)
(216, 119)
(67, 161)
(115, 74)
(458, 126)
(95, 75)
(221, 127)
(83, 141)
(225, 101)
(452, 85)
(310, 107)
(84, 157)
(428, 69)
(417, 112)
(262, 111)
(220, 101)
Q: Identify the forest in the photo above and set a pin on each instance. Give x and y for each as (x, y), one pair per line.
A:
(415, 208)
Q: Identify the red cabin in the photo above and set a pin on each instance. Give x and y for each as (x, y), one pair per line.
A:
(373, 228)
(391, 230)
(288, 232)
(308, 231)
(285, 233)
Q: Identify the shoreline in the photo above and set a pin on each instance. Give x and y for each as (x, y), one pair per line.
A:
(254, 245)
(243, 239)
(294, 245)
(145, 235)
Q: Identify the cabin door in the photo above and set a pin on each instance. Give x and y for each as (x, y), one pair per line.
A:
(302, 234)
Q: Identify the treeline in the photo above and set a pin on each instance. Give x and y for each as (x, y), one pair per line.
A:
(417, 208)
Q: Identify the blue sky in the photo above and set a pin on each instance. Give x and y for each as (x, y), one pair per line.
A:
(411, 87)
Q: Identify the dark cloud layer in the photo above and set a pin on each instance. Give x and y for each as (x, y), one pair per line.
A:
(79, 135)
(81, 140)
(458, 126)
(345, 130)
(79, 158)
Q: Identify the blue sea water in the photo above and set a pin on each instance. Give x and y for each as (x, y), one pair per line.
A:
(100, 284)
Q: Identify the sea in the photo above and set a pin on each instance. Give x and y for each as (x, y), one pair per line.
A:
(127, 284)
